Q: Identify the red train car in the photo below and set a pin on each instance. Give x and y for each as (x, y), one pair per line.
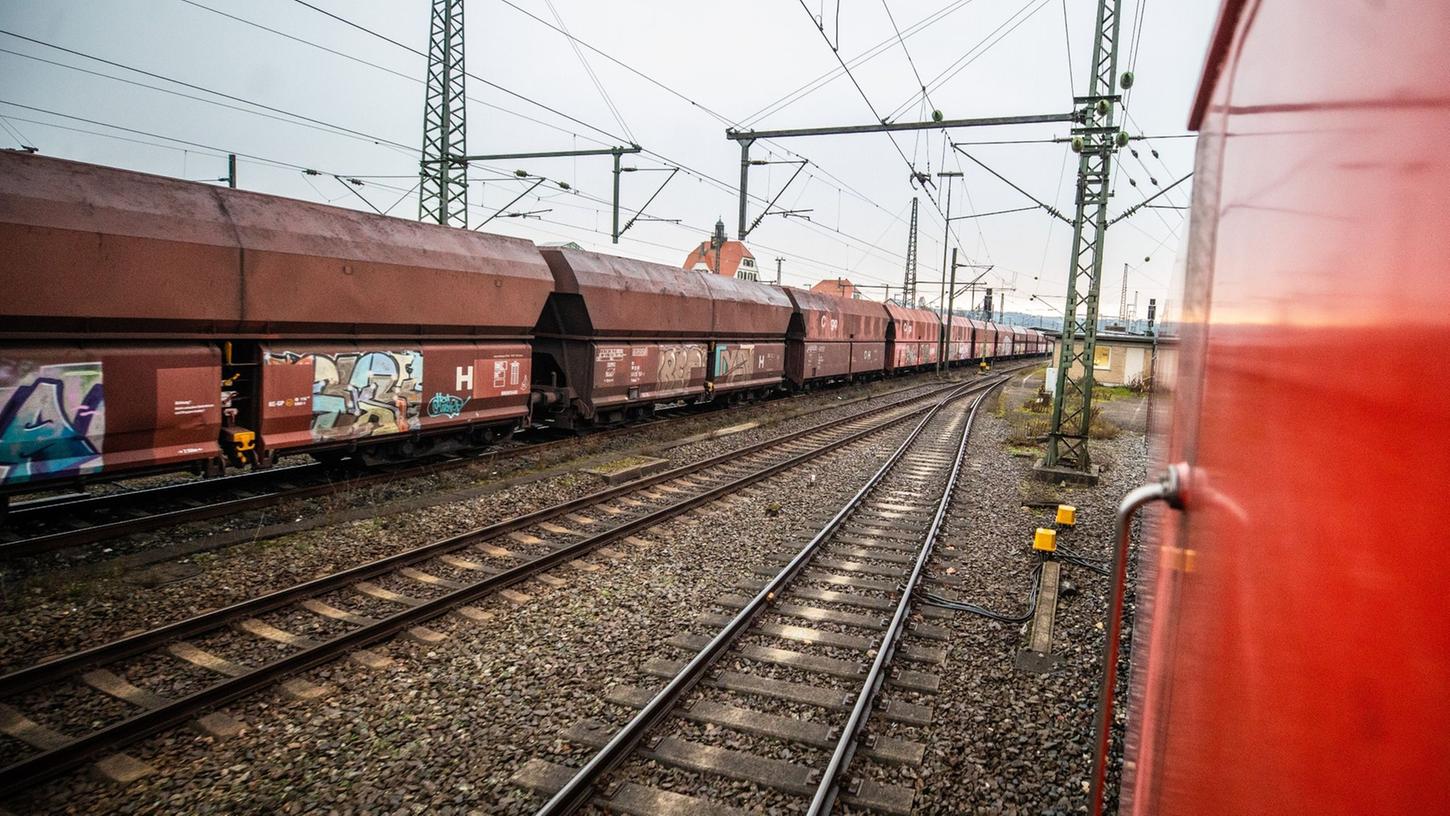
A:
(1291, 651)
(959, 340)
(619, 335)
(834, 338)
(913, 338)
(150, 322)
(747, 335)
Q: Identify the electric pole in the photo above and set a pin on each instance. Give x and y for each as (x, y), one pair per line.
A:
(778, 262)
(1095, 138)
(908, 287)
(947, 236)
(443, 188)
(232, 170)
(1123, 297)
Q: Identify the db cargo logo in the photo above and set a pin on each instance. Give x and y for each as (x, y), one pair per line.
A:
(445, 405)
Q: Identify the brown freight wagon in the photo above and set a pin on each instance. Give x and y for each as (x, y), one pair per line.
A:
(618, 336)
(984, 338)
(150, 321)
(834, 338)
(959, 341)
(747, 337)
(913, 338)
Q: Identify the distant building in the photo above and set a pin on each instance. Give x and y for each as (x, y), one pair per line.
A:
(1124, 359)
(723, 257)
(837, 286)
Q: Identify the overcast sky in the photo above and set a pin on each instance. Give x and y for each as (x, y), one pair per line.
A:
(718, 62)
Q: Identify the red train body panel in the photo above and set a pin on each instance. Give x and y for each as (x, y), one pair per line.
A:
(749, 324)
(622, 333)
(959, 348)
(914, 340)
(1290, 651)
(314, 394)
(154, 255)
(75, 410)
(834, 338)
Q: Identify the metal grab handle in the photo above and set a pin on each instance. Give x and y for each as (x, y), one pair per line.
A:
(1172, 488)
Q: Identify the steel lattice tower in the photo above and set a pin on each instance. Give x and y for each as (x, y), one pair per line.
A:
(908, 286)
(443, 192)
(1123, 299)
(1098, 139)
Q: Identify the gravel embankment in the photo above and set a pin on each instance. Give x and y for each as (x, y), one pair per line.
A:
(443, 729)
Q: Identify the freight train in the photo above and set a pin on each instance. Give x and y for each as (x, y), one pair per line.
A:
(152, 324)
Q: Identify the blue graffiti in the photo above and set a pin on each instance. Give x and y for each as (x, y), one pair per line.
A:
(445, 405)
(52, 421)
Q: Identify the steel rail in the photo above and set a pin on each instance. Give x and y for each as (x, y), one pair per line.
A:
(580, 788)
(25, 508)
(48, 763)
(875, 678)
(45, 542)
(22, 680)
(23, 512)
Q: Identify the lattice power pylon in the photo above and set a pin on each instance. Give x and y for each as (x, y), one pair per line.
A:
(908, 285)
(443, 193)
(1096, 138)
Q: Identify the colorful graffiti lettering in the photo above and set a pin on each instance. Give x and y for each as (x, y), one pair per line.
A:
(361, 393)
(677, 364)
(445, 405)
(52, 420)
(734, 363)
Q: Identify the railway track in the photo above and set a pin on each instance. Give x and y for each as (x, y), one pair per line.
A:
(351, 609)
(37, 526)
(799, 667)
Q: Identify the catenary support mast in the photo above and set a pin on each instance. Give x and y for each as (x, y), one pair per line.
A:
(443, 191)
(1096, 138)
(908, 285)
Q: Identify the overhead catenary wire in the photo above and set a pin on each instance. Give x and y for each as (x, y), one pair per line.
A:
(685, 168)
(974, 53)
(401, 74)
(907, 51)
(608, 101)
(911, 169)
(15, 133)
(280, 115)
(523, 97)
(224, 95)
(946, 138)
(1067, 39)
(696, 103)
(860, 59)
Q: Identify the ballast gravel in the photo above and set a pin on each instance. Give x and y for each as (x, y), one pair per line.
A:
(1003, 741)
(444, 727)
